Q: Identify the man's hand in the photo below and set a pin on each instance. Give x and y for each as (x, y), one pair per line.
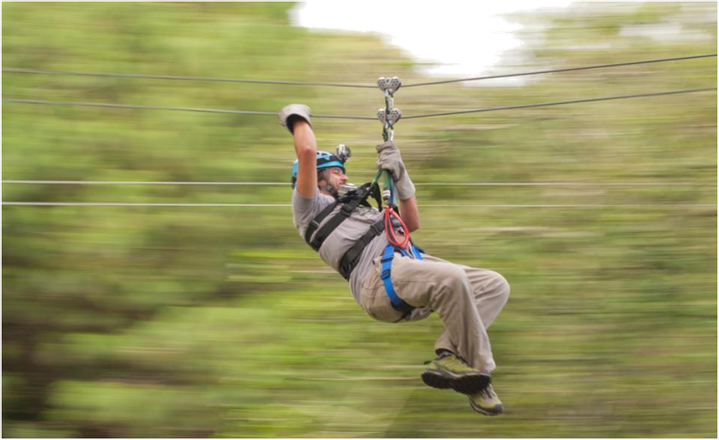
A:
(293, 112)
(391, 160)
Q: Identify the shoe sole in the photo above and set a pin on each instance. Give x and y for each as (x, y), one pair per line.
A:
(497, 410)
(465, 384)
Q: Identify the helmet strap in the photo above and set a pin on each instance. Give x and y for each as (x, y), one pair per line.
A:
(327, 187)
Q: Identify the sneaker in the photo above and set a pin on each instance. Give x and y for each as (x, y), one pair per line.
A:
(449, 371)
(486, 402)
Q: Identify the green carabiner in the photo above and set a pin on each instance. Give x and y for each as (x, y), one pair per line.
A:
(388, 184)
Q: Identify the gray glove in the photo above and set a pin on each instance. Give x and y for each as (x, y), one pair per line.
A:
(292, 113)
(390, 160)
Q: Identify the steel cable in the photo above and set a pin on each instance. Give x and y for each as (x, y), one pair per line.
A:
(279, 205)
(182, 78)
(568, 69)
(326, 84)
(355, 117)
(548, 104)
(425, 184)
(152, 107)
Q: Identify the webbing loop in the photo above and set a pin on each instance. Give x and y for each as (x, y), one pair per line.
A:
(386, 276)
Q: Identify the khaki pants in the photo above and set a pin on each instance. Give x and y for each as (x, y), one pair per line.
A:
(467, 301)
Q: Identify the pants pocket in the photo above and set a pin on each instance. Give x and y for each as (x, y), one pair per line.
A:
(373, 275)
(376, 303)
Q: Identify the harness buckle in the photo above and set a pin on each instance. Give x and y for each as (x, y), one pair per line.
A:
(346, 209)
(386, 273)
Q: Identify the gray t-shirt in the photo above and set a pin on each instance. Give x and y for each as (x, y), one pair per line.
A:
(342, 238)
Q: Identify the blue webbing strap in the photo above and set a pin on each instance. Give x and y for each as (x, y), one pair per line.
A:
(417, 251)
(397, 302)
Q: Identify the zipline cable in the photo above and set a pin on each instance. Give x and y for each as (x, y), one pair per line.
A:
(152, 107)
(270, 205)
(325, 84)
(182, 78)
(428, 115)
(568, 69)
(548, 104)
(427, 184)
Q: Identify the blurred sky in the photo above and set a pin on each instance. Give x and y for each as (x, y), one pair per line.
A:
(463, 38)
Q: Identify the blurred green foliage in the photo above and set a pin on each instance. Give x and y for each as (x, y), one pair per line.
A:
(198, 322)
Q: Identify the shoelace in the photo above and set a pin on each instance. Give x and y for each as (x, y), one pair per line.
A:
(488, 392)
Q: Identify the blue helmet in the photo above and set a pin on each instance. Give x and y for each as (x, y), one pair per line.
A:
(324, 160)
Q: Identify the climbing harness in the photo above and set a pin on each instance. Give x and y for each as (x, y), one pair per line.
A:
(347, 203)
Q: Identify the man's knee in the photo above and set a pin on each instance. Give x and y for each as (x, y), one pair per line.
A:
(452, 281)
(456, 275)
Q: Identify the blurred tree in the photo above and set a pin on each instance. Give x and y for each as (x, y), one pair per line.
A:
(198, 322)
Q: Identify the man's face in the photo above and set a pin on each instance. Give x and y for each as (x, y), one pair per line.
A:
(334, 178)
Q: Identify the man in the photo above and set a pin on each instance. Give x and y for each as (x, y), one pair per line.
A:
(397, 287)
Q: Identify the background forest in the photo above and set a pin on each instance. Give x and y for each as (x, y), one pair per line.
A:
(221, 322)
